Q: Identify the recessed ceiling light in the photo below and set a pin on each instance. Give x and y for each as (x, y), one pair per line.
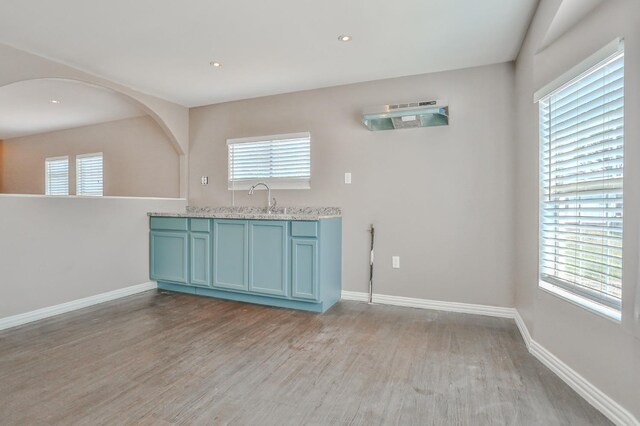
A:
(344, 38)
(215, 64)
(54, 101)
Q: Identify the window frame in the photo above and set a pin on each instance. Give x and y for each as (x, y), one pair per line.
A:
(573, 294)
(78, 189)
(47, 184)
(303, 182)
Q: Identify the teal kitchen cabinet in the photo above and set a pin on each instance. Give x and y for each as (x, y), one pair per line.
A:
(168, 249)
(177, 255)
(200, 259)
(304, 268)
(200, 252)
(169, 256)
(231, 254)
(283, 263)
(268, 263)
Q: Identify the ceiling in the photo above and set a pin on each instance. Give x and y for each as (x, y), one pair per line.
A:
(26, 107)
(164, 47)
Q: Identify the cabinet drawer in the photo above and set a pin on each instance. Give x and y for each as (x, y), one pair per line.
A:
(169, 223)
(201, 225)
(304, 229)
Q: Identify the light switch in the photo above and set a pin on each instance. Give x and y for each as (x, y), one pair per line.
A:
(395, 261)
(347, 178)
(204, 180)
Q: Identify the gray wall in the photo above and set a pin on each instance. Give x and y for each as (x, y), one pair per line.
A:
(440, 198)
(1, 161)
(604, 352)
(60, 249)
(139, 159)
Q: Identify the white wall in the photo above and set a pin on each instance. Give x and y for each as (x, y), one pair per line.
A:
(605, 352)
(58, 249)
(441, 198)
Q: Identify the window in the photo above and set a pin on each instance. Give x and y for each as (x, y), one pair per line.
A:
(56, 172)
(581, 175)
(282, 161)
(89, 174)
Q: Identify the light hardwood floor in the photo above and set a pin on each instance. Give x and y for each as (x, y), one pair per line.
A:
(162, 358)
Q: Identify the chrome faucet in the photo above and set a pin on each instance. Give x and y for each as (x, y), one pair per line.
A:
(271, 203)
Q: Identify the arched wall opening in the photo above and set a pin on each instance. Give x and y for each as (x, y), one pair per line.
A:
(44, 118)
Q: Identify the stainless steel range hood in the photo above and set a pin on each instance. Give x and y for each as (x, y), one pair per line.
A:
(407, 116)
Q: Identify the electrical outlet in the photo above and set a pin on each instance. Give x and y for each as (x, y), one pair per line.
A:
(204, 180)
(395, 262)
(347, 178)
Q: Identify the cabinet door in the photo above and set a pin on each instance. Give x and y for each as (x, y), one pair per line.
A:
(168, 256)
(268, 257)
(304, 268)
(200, 259)
(230, 254)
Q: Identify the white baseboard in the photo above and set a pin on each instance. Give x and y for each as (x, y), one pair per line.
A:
(355, 296)
(27, 317)
(594, 396)
(606, 405)
(524, 331)
(465, 308)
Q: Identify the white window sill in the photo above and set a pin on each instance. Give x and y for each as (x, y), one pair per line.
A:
(583, 302)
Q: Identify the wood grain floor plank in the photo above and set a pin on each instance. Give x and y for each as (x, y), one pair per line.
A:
(162, 358)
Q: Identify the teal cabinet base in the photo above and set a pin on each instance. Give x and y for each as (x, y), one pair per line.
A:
(248, 298)
(288, 264)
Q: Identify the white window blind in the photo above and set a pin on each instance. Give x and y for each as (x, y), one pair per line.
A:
(89, 175)
(282, 161)
(56, 176)
(582, 160)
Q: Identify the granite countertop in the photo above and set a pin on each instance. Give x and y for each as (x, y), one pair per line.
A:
(259, 213)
